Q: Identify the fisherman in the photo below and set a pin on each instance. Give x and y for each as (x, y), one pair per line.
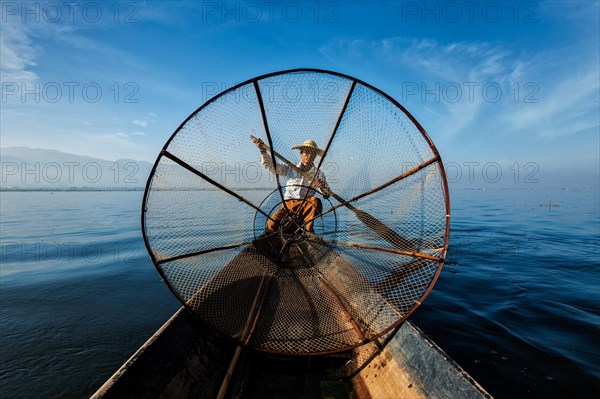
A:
(299, 193)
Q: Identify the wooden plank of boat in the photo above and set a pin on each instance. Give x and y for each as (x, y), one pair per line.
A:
(187, 358)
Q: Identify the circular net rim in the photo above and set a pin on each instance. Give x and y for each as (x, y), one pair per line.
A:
(437, 161)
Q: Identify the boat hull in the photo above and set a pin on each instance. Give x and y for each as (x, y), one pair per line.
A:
(186, 359)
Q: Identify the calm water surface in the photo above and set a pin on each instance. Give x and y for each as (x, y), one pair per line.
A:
(516, 304)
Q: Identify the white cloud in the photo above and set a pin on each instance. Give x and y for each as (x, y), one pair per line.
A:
(468, 65)
(566, 107)
(565, 82)
(440, 68)
(18, 54)
(564, 87)
(461, 61)
(116, 139)
(140, 123)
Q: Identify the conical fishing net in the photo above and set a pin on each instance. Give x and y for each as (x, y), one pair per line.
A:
(379, 227)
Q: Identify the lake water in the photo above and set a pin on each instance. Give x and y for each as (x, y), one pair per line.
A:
(517, 304)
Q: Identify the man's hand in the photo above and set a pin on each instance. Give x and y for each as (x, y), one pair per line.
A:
(259, 143)
(320, 184)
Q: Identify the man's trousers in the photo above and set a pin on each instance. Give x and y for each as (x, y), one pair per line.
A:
(307, 210)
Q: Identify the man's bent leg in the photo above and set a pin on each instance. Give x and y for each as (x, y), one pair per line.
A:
(310, 210)
(276, 218)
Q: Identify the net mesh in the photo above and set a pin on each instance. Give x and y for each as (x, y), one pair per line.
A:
(377, 245)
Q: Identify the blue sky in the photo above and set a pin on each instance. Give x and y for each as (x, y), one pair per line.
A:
(512, 83)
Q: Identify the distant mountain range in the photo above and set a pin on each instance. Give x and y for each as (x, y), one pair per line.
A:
(24, 168)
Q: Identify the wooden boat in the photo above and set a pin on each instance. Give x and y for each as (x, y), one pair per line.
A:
(187, 358)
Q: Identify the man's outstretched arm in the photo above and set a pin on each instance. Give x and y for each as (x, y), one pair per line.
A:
(267, 161)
